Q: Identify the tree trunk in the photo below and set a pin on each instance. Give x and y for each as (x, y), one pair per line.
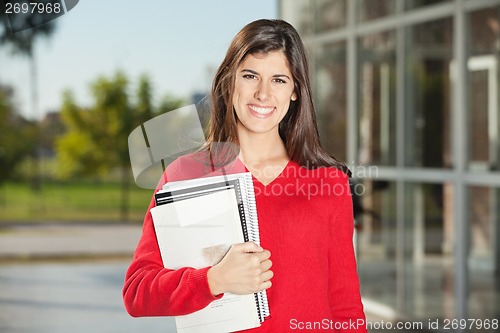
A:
(36, 184)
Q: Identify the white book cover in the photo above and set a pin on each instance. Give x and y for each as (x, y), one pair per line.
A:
(197, 232)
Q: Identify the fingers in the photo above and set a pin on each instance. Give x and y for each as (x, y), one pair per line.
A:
(264, 255)
(264, 272)
(266, 280)
(265, 265)
(260, 261)
(261, 281)
(267, 275)
(249, 247)
(265, 285)
(244, 269)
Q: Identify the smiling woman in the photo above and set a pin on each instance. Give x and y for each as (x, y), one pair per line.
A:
(262, 113)
(263, 91)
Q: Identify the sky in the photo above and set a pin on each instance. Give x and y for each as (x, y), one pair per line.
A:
(174, 42)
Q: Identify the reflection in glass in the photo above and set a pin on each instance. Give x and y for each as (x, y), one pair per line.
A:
(377, 99)
(331, 14)
(429, 275)
(427, 105)
(375, 215)
(369, 9)
(331, 97)
(300, 14)
(421, 281)
(314, 16)
(483, 87)
(484, 263)
(410, 4)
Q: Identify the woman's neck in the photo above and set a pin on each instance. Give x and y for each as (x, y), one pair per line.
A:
(261, 147)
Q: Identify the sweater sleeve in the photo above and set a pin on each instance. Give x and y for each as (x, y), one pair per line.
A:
(150, 289)
(345, 298)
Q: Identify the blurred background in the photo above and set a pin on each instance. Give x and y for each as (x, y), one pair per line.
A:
(407, 93)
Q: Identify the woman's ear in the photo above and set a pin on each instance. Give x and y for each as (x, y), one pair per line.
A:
(294, 97)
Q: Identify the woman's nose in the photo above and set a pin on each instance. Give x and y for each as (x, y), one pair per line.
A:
(263, 91)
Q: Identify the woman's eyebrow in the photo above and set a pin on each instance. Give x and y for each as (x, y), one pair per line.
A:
(250, 71)
(282, 75)
(256, 73)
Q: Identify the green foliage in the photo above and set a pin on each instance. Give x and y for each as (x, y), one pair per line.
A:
(76, 150)
(169, 103)
(96, 141)
(96, 137)
(17, 136)
(144, 99)
(26, 137)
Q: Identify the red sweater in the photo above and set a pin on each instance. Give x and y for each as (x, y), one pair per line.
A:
(305, 221)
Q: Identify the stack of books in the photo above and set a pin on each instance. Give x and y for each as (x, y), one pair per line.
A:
(196, 222)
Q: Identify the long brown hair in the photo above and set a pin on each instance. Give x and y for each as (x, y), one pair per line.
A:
(298, 129)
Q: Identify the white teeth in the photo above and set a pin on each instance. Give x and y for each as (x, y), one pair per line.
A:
(261, 110)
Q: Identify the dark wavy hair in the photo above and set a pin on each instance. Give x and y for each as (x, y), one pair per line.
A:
(298, 129)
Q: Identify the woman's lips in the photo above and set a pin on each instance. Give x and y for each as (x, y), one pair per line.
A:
(261, 111)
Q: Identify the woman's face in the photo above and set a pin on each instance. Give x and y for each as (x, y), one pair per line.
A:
(263, 90)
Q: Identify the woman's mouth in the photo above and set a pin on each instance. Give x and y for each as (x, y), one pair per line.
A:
(260, 111)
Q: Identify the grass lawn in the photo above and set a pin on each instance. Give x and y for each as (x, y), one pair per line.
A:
(71, 202)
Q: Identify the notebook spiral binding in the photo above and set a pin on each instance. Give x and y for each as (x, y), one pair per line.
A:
(252, 230)
(248, 216)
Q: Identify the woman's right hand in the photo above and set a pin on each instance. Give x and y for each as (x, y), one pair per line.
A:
(243, 270)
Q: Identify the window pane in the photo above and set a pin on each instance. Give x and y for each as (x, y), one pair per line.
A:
(309, 17)
(427, 103)
(300, 14)
(369, 9)
(483, 87)
(331, 14)
(430, 275)
(375, 215)
(331, 97)
(377, 99)
(484, 215)
(410, 4)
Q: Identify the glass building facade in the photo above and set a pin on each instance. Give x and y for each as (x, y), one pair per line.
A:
(407, 92)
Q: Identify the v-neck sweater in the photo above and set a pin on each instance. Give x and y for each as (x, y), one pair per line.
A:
(306, 222)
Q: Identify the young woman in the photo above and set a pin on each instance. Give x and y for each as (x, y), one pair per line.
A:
(262, 106)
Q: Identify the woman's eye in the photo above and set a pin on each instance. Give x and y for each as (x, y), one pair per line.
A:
(279, 81)
(249, 76)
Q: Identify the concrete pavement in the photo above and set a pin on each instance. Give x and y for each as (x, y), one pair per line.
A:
(72, 241)
(67, 240)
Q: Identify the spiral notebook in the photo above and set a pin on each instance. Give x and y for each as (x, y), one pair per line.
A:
(196, 221)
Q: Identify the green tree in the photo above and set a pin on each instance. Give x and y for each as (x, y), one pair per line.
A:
(17, 136)
(22, 43)
(96, 141)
